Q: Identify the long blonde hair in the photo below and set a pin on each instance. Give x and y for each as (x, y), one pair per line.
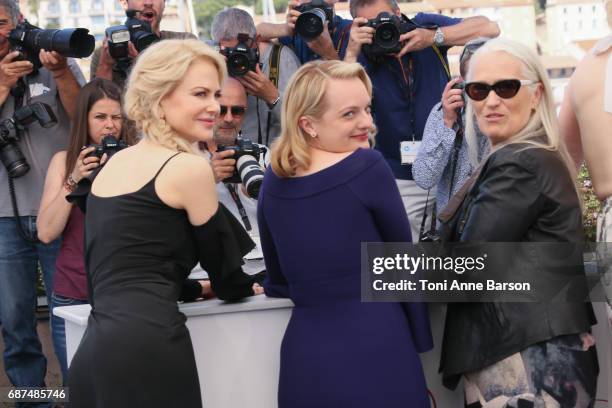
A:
(157, 72)
(542, 129)
(305, 96)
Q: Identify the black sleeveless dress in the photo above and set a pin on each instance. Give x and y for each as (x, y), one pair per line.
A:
(136, 350)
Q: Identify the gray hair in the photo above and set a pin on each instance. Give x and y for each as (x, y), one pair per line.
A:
(542, 129)
(12, 9)
(230, 22)
(355, 4)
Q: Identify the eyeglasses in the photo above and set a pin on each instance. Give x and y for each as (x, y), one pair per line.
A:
(507, 88)
(236, 110)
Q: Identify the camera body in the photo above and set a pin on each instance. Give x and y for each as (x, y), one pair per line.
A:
(241, 58)
(10, 129)
(136, 31)
(388, 29)
(69, 42)
(315, 14)
(248, 171)
(109, 145)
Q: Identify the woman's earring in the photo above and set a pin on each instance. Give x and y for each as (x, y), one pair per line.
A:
(313, 135)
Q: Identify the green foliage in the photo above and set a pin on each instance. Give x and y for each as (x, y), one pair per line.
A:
(205, 11)
(279, 5)
(591, 205)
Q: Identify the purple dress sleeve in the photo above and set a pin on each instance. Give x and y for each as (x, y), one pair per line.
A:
(378, 191)
(275, 284)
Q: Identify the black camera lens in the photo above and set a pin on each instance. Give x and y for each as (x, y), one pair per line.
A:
(143, 39)
(387, 36)
(309, 24)
(14, 161)
(70, 42)
(238, 64)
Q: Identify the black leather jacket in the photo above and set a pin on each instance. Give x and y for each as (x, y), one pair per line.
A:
(521, 195)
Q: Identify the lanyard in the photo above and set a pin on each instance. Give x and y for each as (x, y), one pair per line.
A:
(245, 218)
(407, 86)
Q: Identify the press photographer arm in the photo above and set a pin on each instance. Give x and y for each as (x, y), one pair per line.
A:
(67, 85)
(322, 44)
(457, 34)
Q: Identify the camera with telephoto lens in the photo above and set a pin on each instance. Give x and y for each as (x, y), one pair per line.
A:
(248, 170)
(137, 31)
(315, 15)
(69, 42)
(109, 145)
(10, 129)
(241, 58)
(388, 29)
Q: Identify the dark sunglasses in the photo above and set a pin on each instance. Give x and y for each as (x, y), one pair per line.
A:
(236, 110)
(506, 88)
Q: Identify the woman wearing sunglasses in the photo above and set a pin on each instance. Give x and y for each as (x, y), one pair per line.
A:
(536, 354)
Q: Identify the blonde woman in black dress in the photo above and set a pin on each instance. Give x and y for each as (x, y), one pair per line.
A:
(152, 213)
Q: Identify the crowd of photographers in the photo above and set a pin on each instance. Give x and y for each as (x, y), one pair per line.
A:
(417, 108)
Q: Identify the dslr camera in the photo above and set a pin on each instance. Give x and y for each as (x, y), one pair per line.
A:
(109, 145)
(248, 171)
(242, 58)
(315, 14)
(10, 130)
(388, 29)
(136, 31)
(69, 42)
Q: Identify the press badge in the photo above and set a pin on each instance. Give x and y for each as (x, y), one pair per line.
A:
(409, 150)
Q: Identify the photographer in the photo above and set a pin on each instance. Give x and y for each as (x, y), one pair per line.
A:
(443, 160)
(227, 130)
(148, 11)
(267, 77)
(330, 44)
(56, 84)
(407, 83)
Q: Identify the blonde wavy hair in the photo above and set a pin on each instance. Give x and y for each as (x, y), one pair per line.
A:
(542, 129)
(157, 72)
(305, 96)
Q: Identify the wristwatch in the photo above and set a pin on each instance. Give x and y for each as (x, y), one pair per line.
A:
(274, 103)
(439, 37)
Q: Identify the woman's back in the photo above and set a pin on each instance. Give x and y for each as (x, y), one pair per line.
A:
(312, 228)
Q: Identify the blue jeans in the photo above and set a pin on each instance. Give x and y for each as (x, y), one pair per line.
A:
(58, 331)
(24, 361)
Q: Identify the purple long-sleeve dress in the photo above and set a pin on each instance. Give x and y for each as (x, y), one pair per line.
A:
(337, 351)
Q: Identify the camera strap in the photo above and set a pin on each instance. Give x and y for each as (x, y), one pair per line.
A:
(18, 92)
(458, 126)
(274, 75)
(245, 218)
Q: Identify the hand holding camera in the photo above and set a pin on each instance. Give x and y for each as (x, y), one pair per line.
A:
(223, 165)
(53, 61)
(361, 34)
(11, 70)
(258, 84)
(452, 101)
(86, 164)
